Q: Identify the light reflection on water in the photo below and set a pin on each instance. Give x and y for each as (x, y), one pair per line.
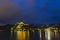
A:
(22, 35)
(35, 35)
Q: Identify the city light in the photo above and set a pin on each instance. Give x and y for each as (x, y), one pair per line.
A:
(47, 34)
(23, 32)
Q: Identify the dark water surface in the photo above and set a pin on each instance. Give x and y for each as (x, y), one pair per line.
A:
(4, 35)
(29, 35)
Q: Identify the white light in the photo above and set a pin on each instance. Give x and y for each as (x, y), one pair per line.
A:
(47, 33)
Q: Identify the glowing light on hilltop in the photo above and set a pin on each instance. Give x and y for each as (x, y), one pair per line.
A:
(20, 23)
(21, 35)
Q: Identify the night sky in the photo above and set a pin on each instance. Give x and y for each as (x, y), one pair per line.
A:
(30, 11)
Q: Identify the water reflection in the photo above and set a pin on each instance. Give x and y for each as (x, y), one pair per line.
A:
(35, 34)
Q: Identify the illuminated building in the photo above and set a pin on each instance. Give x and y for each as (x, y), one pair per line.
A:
(31, 32)
(20, 31)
